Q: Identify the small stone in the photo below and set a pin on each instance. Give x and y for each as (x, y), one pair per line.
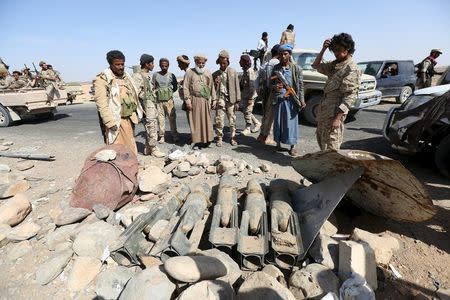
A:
(313, 281)
(150, 261)
(191, 159)
(71, 215)
(241, 166)
(328, 229)
(63, 246)
(257, 171)
(169, 168)
(177, 155)
(275, 273)
(233, 270)
(194, 171)
(208, 289)
(265, 167)
(8, 143)
(101, 211)
(52, 267)
(225, 157)
(4, 168)
(24, 165)
(13, 189)
(4, 230)
(194, 268)
(211, 170)
(224, 166)
(15, 210)
(84, 270)
(383, 245)
(19, 250)
(184, 166)
(260, 285)
(149, 197)
(23, 232)
(130, 214)
(179, 174)
(111, 282)
(232, 172)
(4, 148)
(151, 283)
(106, 155)
(151, 178)
(203, 160)
(60, 235)
(157, 229)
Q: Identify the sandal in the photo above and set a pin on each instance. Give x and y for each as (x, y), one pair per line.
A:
(293, 152)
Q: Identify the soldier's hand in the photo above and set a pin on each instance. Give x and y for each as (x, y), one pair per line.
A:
(326, 44)
(279, 87)
(214, 104)
(236, 107)
(114, 128)
(188, 105)
(302, 104)
(337, 122)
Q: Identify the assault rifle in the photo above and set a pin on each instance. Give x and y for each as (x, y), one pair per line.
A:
(289, 89)
(40, 80)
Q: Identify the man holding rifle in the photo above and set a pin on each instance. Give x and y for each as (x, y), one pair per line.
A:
(287, 83)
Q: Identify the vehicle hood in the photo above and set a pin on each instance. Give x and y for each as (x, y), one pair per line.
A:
(365, 77)
(434, 90)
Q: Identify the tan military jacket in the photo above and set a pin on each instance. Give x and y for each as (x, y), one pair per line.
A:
(5, 82)
(248, 85)
(341, 87)
(233, 91)
(145, 89)
(193, 83)
(107, 99)
(48, 76)
(17, 84)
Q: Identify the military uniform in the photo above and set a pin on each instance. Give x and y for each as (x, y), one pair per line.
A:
(340, 92)
(148, 102)
(6, 81)
(427, 67)
(164, 86)
(17, 84)
(118, 105)
(228, 95)
(49, 79)
(248, 95)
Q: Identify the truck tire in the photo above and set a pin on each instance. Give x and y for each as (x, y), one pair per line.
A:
(404, 94)
(309, 113)
(442, 156)
(5, 118)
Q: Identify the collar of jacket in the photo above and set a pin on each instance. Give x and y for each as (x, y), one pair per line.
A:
(342, 64)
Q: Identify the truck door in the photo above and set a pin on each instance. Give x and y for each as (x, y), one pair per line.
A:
(388, 79)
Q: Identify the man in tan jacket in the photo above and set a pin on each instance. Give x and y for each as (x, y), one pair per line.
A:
(226, 83)
(117, 102)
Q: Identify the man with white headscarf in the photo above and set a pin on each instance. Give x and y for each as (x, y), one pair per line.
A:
(198, 88)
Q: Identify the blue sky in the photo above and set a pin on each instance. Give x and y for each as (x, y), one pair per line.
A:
(74, 36)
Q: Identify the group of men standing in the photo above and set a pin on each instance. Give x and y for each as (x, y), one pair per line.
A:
(123, 99)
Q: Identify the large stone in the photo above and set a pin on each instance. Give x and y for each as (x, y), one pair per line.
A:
(130, 214)
(4, 230)
(52, 267)
(60, 235)
(156, 230)
(151, 178)
(24, 165)
(84, 270)
(180, 174)
(357, 258)
(4, 168)
(325, 251)
(151, 283)
(4, 148)
(194, 268)
(184, 166)
(275, 273)
(9, 190)
(191, 159)
(203, 160)
(328, 228)
(15, 210)
(19, 250)
(194, 171)
(23, 231)
(225, 166)
(110, 283)
(383, 245)
(169, 168)
(356, 288)
(106, 155)
(233, 270)
(208, 289)
(101, 211)
(313, 282)
(260, 285)
(94, 238)
(71, 215)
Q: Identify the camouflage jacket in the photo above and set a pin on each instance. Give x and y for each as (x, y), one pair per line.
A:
(342, 83)
(144, 86)
(5, 82)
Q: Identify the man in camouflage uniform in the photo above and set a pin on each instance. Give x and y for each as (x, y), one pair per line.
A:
(17, 83)
(148, 102)
(248, 95)
(426, 69)
(340, 91)
(165, 84)
(228, 95)
(5, 79)
(48, 79)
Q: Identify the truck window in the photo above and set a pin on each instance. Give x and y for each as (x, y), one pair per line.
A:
(446, 79)
(304, 60)
(390, 69)
(370, 68)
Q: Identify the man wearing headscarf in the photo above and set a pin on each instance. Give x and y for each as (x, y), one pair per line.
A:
(116, 97)
(286, 109)
(148, 101)
(199, 92)
(226, 83)
(248, 95)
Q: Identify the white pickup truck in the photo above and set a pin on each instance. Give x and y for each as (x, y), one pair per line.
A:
(18, 104)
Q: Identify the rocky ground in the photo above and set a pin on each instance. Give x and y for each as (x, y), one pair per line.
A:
(49, 250)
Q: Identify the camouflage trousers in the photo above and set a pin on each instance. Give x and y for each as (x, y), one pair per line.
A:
(52, 91)
(225, 108)
(151, 119)
(250, 119)
(327, 136)
(267, 118)
(167, 108)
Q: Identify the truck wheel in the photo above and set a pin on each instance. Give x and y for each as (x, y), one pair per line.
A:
(404, 94)
(5, 118)
(309, 113)
(442, 156)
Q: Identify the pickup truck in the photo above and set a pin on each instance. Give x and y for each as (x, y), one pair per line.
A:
(18, 104)
(395, 78)
(314, 83)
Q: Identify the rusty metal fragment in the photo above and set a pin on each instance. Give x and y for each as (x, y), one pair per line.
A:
(386, 188)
